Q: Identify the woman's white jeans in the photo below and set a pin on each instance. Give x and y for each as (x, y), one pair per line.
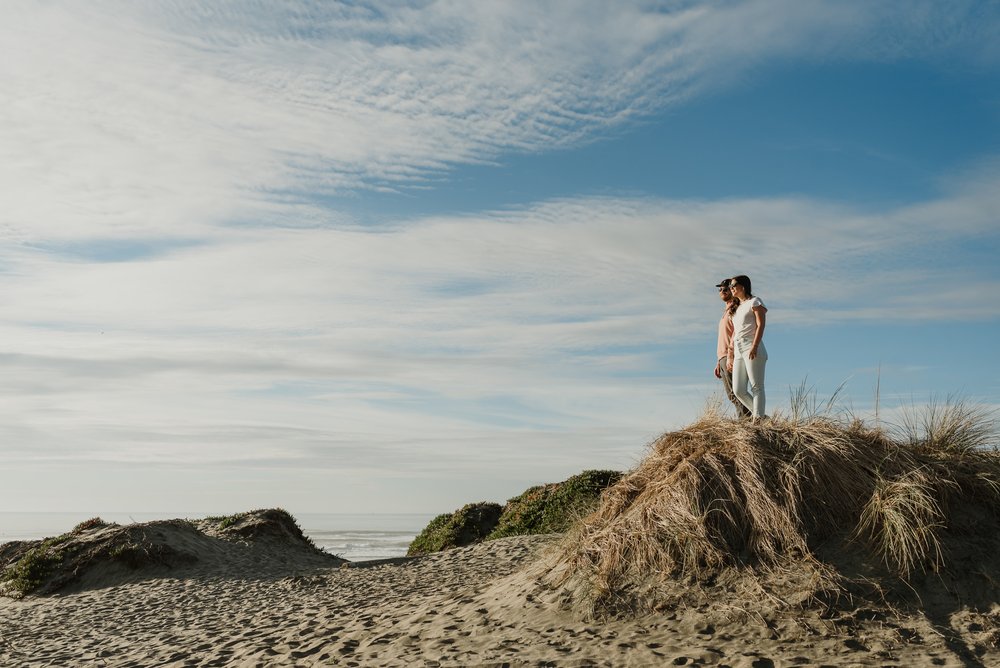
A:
(750, 372)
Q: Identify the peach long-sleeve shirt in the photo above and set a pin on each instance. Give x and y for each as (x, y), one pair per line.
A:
(725, 335)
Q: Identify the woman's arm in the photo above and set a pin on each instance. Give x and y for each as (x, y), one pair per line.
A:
(759, 313)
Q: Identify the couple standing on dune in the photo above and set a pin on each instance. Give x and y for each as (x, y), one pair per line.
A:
(741, 352)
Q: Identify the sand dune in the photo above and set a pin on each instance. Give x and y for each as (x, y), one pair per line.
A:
(480, 605)
(798, 543)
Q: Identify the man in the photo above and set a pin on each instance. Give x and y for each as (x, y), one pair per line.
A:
(724, 366)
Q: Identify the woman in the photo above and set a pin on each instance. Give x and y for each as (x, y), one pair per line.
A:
(749, 353)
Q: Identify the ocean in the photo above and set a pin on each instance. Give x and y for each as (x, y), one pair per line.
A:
(353, 536)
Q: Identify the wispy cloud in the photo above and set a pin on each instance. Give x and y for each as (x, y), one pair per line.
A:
(123, 117)
(293, 346)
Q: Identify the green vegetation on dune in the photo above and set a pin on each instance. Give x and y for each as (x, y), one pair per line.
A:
(469, 524)
(542, 509)
(46, 566)
(554, 507)
(31, 570)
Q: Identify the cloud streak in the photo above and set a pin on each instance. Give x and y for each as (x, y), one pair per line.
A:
(298, 347)
(126, 117)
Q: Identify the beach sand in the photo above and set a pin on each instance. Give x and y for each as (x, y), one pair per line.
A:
(266, 605)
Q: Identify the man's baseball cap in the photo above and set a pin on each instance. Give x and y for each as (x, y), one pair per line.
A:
(725, 283)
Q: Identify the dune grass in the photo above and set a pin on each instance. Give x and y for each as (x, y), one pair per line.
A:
(726, 494)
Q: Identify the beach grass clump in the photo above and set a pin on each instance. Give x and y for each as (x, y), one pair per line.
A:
(553, 508)
(952, 426)
(467, 525)
(903, 520)
(723, 495)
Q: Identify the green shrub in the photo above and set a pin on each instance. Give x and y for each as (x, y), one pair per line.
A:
(470, 524)
(30, 571)
(543, 509)
(553, 508)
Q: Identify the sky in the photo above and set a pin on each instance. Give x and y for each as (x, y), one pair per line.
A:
(398, 256)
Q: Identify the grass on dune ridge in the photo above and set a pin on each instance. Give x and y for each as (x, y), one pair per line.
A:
(723, 496)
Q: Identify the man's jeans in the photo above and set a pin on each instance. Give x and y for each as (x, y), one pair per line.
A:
(727, 382)
(749, 371)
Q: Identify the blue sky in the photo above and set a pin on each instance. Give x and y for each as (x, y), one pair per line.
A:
(399, 256)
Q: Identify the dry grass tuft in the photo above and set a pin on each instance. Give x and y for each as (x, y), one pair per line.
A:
(952, 426)
(723, 496)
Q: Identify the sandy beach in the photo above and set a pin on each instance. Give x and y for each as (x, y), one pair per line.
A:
(264, 605)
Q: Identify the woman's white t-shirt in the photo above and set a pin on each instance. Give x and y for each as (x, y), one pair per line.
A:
(744, 320)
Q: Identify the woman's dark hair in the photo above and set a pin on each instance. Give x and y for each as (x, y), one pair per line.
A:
(745, 282)
(734, 304)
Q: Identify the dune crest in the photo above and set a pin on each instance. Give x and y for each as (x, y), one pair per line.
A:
(96, 554)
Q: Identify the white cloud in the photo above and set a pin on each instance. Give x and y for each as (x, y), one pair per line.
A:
(511, 330)
(126, 118)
